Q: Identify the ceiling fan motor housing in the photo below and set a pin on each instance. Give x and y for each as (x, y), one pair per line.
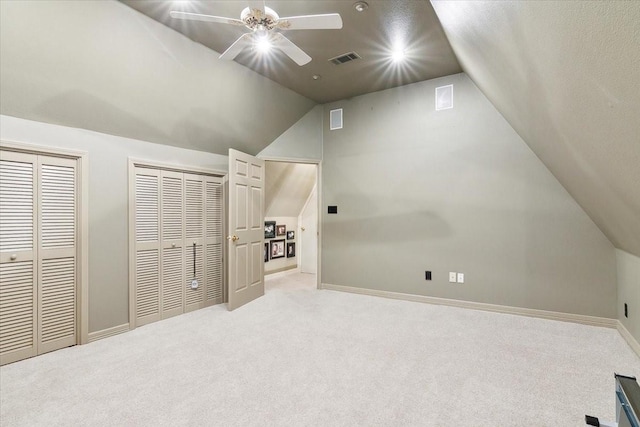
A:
(257, 19)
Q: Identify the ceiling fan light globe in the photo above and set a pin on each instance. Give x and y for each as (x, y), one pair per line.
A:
(263, 45)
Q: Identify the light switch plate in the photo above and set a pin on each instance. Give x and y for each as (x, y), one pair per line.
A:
(460, 277)
(452, 277)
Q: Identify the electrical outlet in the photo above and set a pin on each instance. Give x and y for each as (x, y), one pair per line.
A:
(460, 277)
(427, 275)
(452, 277)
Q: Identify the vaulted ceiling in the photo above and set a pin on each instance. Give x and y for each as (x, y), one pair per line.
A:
(372, 34)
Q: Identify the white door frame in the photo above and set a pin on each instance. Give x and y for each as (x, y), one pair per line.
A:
(319, 201)
(300, 232)
(82, 159)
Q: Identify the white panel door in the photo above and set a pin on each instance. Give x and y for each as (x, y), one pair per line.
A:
(246, 228)
(18, 237)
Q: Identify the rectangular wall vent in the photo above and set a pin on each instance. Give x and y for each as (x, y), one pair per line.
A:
(335, 119)
(347, 57)
(444, 97)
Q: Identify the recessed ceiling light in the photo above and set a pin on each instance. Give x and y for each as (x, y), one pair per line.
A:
(361, 6)
(398, 55)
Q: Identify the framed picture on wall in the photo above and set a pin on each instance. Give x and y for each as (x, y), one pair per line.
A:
(291, 235)
(281, 230)
(266, 251)
(277, 249)
(291, 250)
(269, 229)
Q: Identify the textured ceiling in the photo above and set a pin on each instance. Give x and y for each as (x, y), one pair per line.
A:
(566, 75)
(371, 34)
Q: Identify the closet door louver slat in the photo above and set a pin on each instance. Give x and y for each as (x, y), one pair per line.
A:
(147, 246)
(213, 241)
(16, 205)
(17, 309)
(172, 211)
(18, 293)
(57, 256)
(194, 232)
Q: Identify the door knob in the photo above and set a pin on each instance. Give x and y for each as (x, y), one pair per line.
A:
(302, 228)
(233, 238)
(13, 257)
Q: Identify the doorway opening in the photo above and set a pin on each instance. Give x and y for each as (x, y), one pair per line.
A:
(291, 225)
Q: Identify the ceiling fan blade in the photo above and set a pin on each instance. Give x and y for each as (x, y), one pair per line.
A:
(206, 18)
(237, 46)
(329, 21)
(290, 49)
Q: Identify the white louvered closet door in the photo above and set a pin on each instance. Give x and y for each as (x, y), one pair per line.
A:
(18, 291)
(38, 254)
(147, 246)
(194, 241)
(177, 219)
(57, 255)
(213, 240)
(172, 211)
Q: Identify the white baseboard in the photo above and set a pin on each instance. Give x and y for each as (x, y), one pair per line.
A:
(109, 332)
(635, 346)
(283, 271)
(542, 314)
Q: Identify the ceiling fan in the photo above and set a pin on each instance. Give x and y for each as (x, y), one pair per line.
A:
(265, 26)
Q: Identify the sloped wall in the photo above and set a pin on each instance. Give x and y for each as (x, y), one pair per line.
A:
(102, 66)
(454, 190)
(564, 74)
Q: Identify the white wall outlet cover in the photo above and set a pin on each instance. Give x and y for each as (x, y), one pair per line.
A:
(460, 277)
(194, 284)
(452, 277)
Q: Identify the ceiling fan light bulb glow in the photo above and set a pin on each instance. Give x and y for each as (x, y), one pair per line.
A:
(263, 44)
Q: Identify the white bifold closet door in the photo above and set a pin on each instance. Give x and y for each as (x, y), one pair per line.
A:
(178, 218)
(38, 254)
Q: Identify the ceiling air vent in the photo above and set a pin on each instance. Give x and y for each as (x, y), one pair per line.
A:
(347, 57)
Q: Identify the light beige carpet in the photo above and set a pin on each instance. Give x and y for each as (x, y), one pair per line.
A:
(299, 356)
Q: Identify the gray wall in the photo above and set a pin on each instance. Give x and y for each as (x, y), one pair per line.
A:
(629, 291)
(454, 190)
(108, 203)
(103, 66)
(303, 140)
